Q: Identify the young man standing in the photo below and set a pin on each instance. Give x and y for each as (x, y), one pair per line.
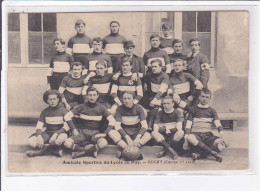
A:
(156, 53)
(98, 55)
(79, 45)
(131, 125)
(60, 65)
(56, 127)
(178, 53)
(92, 129)
(72, 85)
(167, 129)
(167, 38)
(114, 45)
(198, 129)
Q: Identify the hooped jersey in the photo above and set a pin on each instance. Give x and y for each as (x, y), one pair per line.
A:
(114, 44)
(166, 45)
(168, 120)
(93, 58)
(61, 63)
(80, 45)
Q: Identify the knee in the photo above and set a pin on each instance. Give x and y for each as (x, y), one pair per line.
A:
(218, 145)
(178, 135)
(157, 136)
(114, 135)
(192, 139)
(61, 138)
(102, 142)
(69, 143)
(32, 142)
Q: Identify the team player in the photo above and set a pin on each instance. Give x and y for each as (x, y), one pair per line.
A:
(102, 82)
(178, 53)
(72, 85)
(131, 125)
(167, 38)
(60, 65)
(125, 83)
(167, 129)
(135, 61)
(114, 44)
(98, 55)
(180, 85)
(55, 134)
(198, 129)
(156, 53)
(92, 128)
(198, 63)
(157, 84)
(79, 45)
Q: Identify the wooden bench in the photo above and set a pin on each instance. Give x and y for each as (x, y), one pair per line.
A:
(233, 118)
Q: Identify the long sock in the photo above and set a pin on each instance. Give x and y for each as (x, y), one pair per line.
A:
(165, 145)
(78, 148)
(204, 147)
(41, 152)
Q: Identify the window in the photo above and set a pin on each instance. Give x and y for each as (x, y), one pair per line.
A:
(42, 30)
(14, 47)
(197, 25)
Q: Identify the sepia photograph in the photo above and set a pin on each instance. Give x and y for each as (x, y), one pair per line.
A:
(127, 91)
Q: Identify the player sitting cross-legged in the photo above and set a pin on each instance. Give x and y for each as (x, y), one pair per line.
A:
(198, 129)
(92, 128)
(55, 134)
(167, 129)
(131, 125)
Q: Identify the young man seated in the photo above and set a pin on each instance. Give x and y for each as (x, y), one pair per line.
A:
(125, 83)
(56, 128)
(102, 82)
(180, 86)
(131, 125)
(93, 127)
(167, 129)
(156, 87)
(198, 129)
(72, 85)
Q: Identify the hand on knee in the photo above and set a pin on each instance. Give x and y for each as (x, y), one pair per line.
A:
(69, 143)
(192, 140)
(102, 142)
(157, 136)
(178, 136)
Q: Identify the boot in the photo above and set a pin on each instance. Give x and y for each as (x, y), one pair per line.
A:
(195, 156)
(173, 154)
(161, 154)
(41, 152)
(93, 150)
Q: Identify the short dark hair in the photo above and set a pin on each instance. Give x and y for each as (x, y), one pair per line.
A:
(101, 63)
(168, 97)
(125, 59)
(193, 40)
(178, 60)
(166, 26)
(77, 64)
(51, 92)
(92, 89)
(97, 39)
(157, 61)
(155, 36)
(78, 22)
(206, 91)
(176, 41)
(59, 39)
(114, 22)
(129, 92)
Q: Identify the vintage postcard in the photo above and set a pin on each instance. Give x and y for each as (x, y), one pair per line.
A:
(125, 91)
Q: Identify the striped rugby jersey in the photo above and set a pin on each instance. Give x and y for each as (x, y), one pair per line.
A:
(175, 56)
(91, 115)
(168, 120)
(114, 44)
(202, 118)
(93, 58)
(166, 45)
(53, 117)
(61, 63)
(80, 44)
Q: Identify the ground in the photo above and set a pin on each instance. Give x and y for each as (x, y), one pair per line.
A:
(234, 158)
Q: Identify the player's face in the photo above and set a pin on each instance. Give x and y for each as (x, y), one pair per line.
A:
(92, 96)
(114, 28)
(58, 46)
(155, 42)
(178, 66)
(166, 32)
(204, 98)
(76, 71)
(53, 100)
(80, 29)
(195, 47)
(97, 46)
(156, 68)
(177, 47)
(100, 70)
(129, 51)
(167, 105)
(128, 100)
(126, 67)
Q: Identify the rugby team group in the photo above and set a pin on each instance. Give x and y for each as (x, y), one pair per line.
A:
(100, 92)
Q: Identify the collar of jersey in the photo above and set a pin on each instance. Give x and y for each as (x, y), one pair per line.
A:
(75, 77)
(155, 49)
(128, 74)
(169, 111)
(169, 37)
(203, 106)
(80, 35)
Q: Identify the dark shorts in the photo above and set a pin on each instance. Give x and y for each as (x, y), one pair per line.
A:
(207, 138)
(132, 132)
(86, 136)
(46, 135)
(56, 79)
